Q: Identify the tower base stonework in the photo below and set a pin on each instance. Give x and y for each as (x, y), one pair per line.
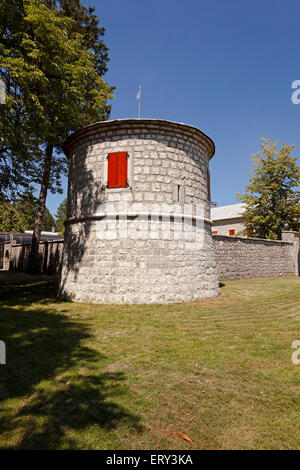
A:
(138, 231)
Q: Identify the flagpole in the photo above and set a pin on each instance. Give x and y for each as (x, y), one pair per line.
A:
(140, 107)
(138, 96)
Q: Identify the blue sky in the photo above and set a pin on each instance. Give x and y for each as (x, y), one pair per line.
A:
(225, 67)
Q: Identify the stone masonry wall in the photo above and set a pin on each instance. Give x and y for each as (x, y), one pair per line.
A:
(138, 271)
(235, 258)
(168, 163)
(159, 160)
(238, 257)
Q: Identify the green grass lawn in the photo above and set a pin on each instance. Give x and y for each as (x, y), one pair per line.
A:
(82, 376)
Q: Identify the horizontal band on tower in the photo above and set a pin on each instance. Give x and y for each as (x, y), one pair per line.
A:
(134, 214)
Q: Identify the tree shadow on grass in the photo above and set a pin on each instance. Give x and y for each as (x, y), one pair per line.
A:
(19, 289)
(57, 381)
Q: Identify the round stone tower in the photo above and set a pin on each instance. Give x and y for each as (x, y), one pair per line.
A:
(138, 227)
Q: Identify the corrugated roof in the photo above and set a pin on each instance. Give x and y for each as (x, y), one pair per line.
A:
(231, 211)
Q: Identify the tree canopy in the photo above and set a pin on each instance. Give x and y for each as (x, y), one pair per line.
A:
(61, 216)
(19, 216)
(272, 201)
(52, 59)
(26, 206)
(11, 220)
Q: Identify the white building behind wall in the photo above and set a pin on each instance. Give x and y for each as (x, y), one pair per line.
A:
(228, 220)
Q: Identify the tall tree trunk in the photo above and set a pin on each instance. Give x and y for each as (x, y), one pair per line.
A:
(34, 264)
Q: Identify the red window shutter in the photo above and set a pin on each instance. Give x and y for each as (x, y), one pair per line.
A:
(231, 231)
(117, 170)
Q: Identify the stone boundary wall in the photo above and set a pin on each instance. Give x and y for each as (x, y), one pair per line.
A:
(240, 258)
(236, 257)
(50, 253)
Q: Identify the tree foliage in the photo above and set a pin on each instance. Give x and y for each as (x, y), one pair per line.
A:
(61, 216)
(272, 202)
(19, 146)
(52, 59)
(11, 220)
(19, 216)
(26, 206)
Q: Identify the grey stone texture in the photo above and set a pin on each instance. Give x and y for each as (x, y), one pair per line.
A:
(168, 163)
(238, 257)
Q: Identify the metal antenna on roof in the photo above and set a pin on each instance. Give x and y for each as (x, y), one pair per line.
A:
(138, 97)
